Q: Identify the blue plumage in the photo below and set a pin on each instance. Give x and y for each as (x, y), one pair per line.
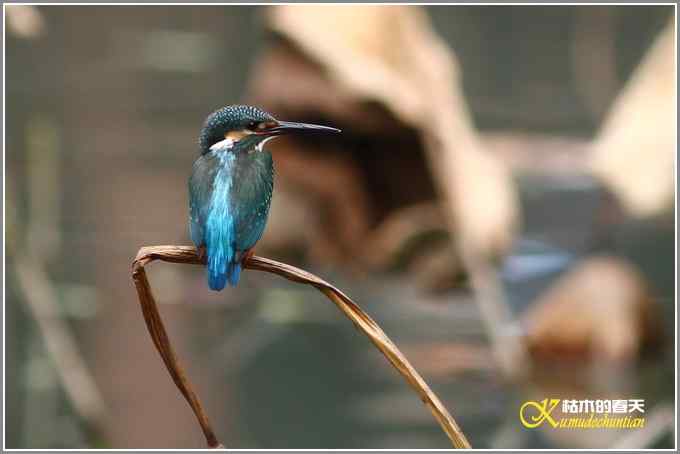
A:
(231, 186)
(230, 194)
(220, 234)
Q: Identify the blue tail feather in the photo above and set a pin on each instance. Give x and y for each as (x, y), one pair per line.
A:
(217, 281)
(223, 266)
(220, 240)
(234, 273)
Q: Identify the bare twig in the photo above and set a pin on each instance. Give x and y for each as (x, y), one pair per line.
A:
(41, 299)
(60, 343)
(154, 323)
(501, 325)
(189, 255)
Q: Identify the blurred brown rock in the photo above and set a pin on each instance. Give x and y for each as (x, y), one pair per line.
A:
(635, 149)
(384, 77)
(440, 360)
(601, 310)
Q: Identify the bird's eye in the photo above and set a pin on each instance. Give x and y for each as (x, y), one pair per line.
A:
(253, 125)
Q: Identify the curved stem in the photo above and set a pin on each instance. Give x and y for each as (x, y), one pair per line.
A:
(365, 324)
(156, 328)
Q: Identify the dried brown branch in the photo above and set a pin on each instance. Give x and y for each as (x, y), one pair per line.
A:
(189, 255)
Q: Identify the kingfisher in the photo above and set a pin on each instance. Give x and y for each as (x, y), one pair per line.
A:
(231, 185)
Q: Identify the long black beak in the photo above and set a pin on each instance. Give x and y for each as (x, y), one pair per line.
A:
(289, 127)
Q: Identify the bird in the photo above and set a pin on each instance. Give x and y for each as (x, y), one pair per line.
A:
(231, 186)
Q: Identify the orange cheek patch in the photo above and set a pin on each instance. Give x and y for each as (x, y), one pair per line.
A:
(235, 136)
(267, 125)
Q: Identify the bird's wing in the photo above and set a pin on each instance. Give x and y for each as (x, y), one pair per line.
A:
(200, 192)
(254, 195)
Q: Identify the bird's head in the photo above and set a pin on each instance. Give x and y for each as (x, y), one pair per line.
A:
(231, 125)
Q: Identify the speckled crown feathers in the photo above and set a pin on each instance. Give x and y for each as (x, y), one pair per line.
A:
(229, 118)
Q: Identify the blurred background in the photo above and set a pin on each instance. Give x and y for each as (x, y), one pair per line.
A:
(501, 202)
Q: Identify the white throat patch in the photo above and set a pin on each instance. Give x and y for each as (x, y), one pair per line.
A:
(261, 144)
(225, 144)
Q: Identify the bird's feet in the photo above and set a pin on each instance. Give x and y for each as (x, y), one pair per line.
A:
(201, 253)
(246, 255)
